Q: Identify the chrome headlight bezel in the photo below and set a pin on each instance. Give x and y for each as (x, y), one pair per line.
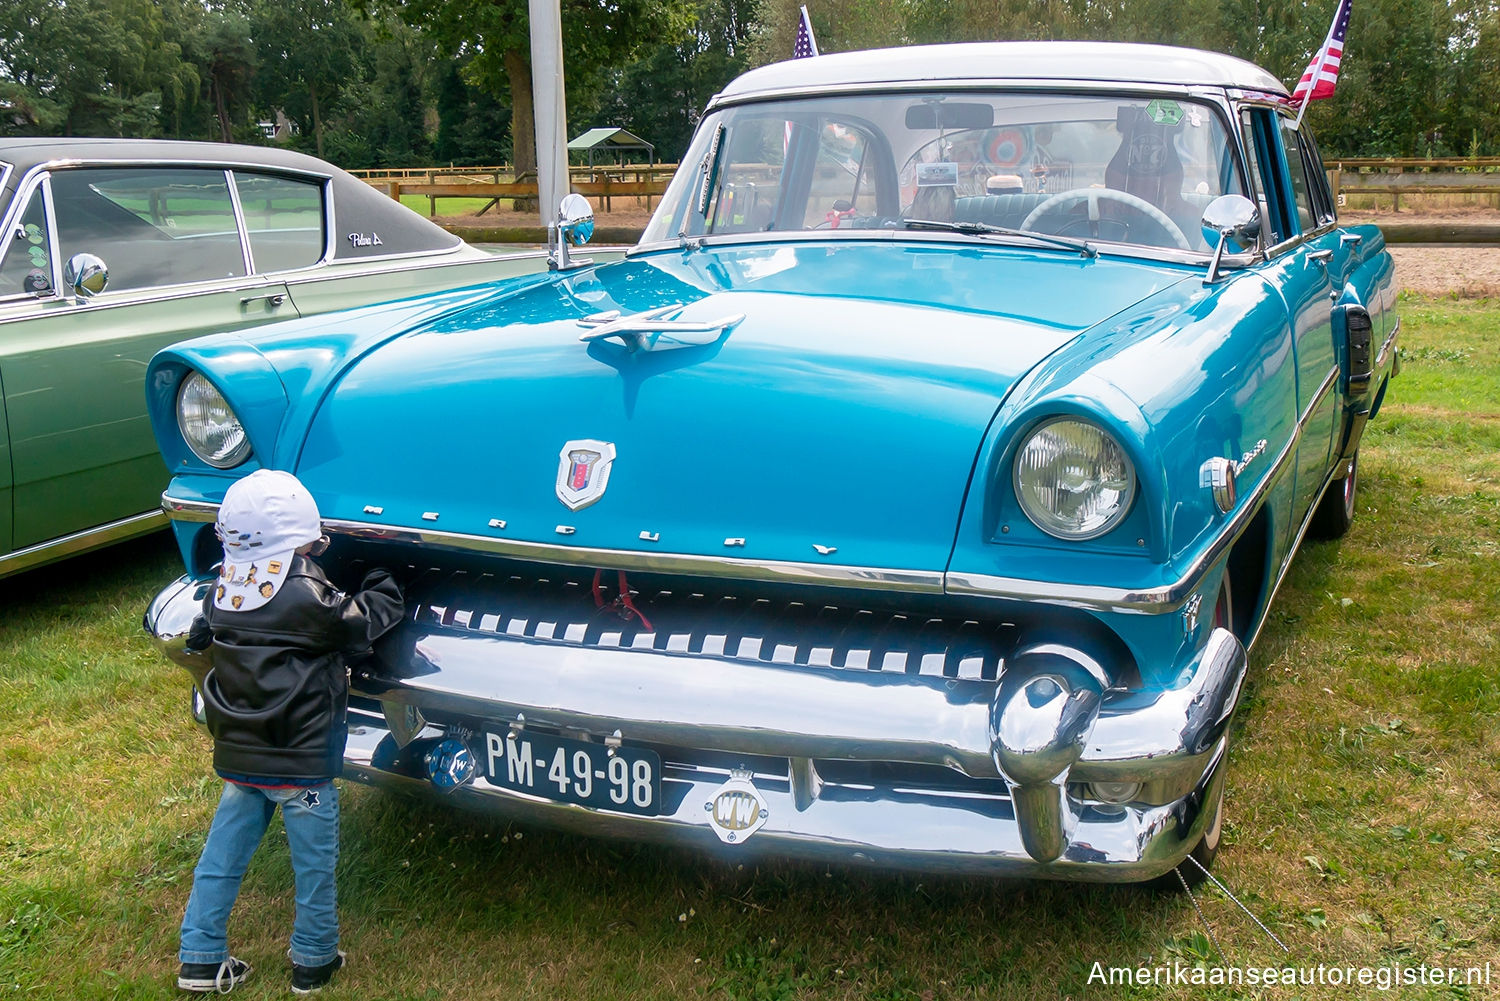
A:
(1047, 520)
(197, 427)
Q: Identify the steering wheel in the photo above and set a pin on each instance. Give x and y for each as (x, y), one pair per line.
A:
(1092, 196)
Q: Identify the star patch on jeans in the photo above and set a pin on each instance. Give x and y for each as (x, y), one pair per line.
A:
(310, 798)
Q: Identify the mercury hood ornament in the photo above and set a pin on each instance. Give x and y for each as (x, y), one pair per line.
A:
(583, 472)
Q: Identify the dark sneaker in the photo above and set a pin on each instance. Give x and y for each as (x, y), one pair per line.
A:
(306, 979)
(217, 978)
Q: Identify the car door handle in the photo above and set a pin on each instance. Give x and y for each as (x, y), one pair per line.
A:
(1321, 256)
(1351, 239)
(273, 298)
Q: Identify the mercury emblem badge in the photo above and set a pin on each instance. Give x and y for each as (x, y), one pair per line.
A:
(583, 472)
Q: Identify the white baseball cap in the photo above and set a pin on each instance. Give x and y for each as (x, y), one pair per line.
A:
(265, 517)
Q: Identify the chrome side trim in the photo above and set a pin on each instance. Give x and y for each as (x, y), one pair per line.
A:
(239, 222)
(204, 512)
(1390, 342)
(54, 239)
(1286, 564)
(81, 542)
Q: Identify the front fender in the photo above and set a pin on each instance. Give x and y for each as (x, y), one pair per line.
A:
(1191, 374)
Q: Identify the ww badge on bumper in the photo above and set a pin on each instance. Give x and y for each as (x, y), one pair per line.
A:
(737, 810)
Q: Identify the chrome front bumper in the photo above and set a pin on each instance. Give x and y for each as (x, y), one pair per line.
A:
(1029, 747)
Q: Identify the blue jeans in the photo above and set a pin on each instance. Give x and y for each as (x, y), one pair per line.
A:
(311, 817)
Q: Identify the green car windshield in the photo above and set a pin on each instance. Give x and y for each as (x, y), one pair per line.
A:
(1120, 169)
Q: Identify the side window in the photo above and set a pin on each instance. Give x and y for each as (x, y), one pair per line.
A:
(26, 267)
(1302, 191)
(151, 225)
(1317, 179)
(1265, 155)
(839, 186)
(284, 219)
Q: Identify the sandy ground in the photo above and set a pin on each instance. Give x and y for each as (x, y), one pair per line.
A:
(1463, 272)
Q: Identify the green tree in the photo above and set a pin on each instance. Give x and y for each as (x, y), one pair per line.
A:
(89, 67)
(310, 52)
(473, 128)
(661, 95)
(494, 38)
(226, 59)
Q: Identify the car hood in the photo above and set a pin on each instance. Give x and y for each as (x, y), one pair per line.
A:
(837, 422)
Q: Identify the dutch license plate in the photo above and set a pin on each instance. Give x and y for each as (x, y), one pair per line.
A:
(574, 771)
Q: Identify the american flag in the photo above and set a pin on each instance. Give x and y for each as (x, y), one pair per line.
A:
(1322, 74)
(806, 44)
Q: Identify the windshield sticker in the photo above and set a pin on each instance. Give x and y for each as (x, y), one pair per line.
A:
(1195, 117)
(1162, 112)
(365, 240)
(943, 174)
(33, 233)
(36, 281)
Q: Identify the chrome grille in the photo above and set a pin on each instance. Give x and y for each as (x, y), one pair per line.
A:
(694, 618)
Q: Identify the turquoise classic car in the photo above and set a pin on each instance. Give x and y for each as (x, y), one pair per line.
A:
(114, 249)
(910, 495)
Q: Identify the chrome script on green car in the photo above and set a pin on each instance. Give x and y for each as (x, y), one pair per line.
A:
(908, 497)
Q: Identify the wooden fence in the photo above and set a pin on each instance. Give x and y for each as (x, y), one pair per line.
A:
(1392, 177)
(639, 181)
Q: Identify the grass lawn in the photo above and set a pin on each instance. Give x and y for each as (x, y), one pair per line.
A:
(1361, 809)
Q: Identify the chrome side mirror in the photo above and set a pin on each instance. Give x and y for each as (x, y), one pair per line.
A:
(574, 227)
(1229, 217)
(86, 275)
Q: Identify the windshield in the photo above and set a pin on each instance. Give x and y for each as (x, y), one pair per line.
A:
(1119, 169)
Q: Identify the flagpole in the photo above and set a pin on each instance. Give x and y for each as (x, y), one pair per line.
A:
(807, 21)
(1312, 84)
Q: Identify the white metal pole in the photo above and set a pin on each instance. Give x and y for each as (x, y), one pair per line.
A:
(549, 105)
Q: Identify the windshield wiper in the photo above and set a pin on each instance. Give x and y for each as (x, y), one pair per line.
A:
(985, 229)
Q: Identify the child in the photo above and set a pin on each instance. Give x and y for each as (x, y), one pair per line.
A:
(276, 699)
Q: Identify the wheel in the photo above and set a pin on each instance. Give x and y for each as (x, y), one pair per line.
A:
(1092, 196)
(1335, 511)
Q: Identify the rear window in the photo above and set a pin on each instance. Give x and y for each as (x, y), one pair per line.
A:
(152, 226)
(284, 219)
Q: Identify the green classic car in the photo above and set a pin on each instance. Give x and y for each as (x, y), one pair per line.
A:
(115, 249)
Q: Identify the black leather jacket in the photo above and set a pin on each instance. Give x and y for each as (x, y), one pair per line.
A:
(278, 692)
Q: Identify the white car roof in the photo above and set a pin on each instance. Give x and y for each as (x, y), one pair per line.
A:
(978, 62)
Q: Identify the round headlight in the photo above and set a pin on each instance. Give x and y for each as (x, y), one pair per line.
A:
(1073, 480)
(210, 428)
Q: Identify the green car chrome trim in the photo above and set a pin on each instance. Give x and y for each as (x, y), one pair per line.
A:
(81, 542)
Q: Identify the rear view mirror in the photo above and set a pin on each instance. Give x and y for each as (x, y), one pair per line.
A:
(576, 219)
(949, 115)
(574, 227)
(1229, 217)
(86, 275)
